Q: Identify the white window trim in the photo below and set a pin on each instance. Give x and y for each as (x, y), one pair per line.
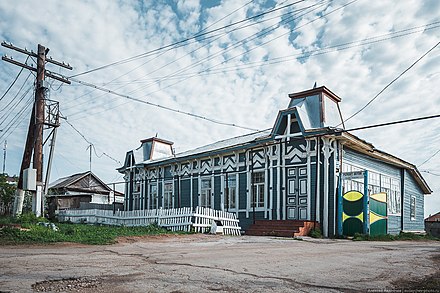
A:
(171, 202)
(250, 208)
(378, 172)
(211, 196)
(415, 208)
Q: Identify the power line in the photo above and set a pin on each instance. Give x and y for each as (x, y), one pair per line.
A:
(389, 123)
(304, 55)
(428, 172)
(162, 107)
(390, 83)
(428, 159)
(239, 43)
(185, 40)
(13, 82)
(91, 144)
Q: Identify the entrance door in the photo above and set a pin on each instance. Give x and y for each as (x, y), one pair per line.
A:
(296, 205)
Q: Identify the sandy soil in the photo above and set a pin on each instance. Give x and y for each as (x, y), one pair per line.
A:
(206, 263)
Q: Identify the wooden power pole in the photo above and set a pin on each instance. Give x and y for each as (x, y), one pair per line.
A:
(34, 140)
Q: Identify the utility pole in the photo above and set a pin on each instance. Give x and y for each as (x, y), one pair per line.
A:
(4, 156)
(34, 140)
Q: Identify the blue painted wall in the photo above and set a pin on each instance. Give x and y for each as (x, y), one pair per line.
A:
(412, 189)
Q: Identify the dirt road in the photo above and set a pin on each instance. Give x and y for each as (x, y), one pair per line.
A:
(204, 263)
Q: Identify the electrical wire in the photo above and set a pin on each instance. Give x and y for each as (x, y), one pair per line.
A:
(390, 83)
(91, 144)
(299, 56)
(431, 173)
(13, 82)
(162, 107)
(239, 43)
(185, 40)
(236, 44)
(428, 159)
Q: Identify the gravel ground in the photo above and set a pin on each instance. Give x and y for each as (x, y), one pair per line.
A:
(205, 263)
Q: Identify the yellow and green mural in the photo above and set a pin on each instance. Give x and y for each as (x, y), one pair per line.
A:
(352, 213)
(378, 214)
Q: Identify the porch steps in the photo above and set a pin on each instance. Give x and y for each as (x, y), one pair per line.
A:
(280, 228)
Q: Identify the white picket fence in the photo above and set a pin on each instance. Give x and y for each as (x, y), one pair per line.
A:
(181, 219)
(203, 218)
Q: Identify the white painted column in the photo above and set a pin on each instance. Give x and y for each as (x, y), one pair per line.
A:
(191, 189)
(326, 152)
(266, 184)
(278, 150)
(309, 180)
(283, 173)
(318, 181)
(270, 183)
(222, 192)
(249, 191)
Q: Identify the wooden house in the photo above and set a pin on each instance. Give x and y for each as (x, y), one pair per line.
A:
(303, 169)
(85, 188)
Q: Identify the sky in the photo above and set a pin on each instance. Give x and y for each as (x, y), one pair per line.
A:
(234, 73)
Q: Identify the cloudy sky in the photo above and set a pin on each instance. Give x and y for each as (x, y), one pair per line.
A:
(240, 74)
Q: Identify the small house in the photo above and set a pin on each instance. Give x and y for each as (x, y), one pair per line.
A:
(81, 190)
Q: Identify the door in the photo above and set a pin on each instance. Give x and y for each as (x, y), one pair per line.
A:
(296, 199)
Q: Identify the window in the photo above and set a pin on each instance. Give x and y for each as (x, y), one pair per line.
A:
(257, 199)
(395, 195)
(205, 193)
(153, 196)
(412, 208)
(230, 189)
(168, 195)
(373, 182)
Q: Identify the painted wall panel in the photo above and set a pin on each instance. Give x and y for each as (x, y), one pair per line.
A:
(217, 192)
(242, 191)
(393, 224)
(370, 163)
(185, 192)
(411, 189)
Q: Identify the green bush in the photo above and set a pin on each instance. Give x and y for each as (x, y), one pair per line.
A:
(315, 233)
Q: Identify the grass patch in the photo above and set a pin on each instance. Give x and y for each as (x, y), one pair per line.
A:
(77, 233)
(388, 237)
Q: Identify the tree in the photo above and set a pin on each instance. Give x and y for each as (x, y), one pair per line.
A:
(7, 192)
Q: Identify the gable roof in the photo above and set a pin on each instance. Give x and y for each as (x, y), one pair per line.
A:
(433, 218)
(80, 182)
(362, 146)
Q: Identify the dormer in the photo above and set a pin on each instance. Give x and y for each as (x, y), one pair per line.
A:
(318, 108)
(156, 148)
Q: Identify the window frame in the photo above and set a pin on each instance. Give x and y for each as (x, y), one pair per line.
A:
(413, 208)
(260, 188)
(230, 200)
(168, 195)
(152, 205)
(205, 199)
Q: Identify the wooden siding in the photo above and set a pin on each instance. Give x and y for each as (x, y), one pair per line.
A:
(412, 189)
(362, 160)
(393, 224)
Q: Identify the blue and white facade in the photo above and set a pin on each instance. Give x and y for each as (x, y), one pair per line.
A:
(291, 171)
